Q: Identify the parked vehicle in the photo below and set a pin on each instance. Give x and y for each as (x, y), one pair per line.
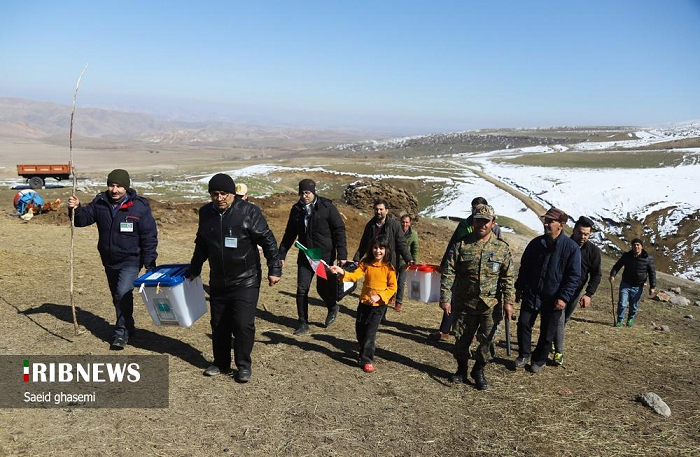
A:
(36, 174)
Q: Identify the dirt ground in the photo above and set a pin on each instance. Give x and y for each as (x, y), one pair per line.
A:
(307, 396)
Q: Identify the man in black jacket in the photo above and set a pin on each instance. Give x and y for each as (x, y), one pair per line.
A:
(550, 270)
(128, 239)
(638, 265)
(317, 223)
(383, 224)
(228, 235)
(590, 272)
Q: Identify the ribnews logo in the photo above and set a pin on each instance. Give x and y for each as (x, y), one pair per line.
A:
(79, 372)
(135, 381)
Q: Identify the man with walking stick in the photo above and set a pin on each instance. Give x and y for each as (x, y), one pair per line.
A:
(128, 238)
(639, 266)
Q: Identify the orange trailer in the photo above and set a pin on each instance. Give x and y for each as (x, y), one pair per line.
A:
(37, 174)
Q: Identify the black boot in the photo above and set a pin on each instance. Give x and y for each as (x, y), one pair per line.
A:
(332, 314)
(461, 373)
(478, 376)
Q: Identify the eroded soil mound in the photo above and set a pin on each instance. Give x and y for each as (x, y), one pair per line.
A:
(362, 195)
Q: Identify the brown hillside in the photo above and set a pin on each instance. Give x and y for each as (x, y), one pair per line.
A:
(308, 397)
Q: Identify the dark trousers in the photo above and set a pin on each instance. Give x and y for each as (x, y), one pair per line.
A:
(121, 285)
(366, 326)
(564, 321)
(326, 290)
(549, 321)
(401, 285)
(481, 321)
(233, 311)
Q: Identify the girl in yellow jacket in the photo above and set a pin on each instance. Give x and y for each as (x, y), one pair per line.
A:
(378, 288)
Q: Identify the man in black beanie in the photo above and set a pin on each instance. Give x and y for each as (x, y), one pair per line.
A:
(228, 236)
(128, 239)
(316, 222)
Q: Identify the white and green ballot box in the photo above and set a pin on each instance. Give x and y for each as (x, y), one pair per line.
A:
(170, 297)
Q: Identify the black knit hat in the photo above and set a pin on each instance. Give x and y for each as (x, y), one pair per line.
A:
(222, 183)
(120, 177)
(307, 184)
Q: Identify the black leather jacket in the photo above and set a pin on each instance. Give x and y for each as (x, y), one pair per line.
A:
(230, 241)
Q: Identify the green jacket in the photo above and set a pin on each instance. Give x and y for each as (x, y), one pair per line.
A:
(412, 245)
(477, 271)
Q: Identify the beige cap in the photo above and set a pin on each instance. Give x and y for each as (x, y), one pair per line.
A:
(241, 189)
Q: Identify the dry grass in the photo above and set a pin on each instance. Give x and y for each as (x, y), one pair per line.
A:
(307, 396)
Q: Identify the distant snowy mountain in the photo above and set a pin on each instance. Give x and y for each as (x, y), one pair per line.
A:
(657, 200)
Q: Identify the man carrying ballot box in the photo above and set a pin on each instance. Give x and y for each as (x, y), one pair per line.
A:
(228, 236)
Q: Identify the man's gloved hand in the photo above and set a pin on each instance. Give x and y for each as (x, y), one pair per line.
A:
(151, 266)
(194, 273)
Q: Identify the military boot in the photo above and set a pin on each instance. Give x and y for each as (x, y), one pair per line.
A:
(461, 373)
(478, 376)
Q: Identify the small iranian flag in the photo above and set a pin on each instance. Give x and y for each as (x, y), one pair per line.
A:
(313, 255)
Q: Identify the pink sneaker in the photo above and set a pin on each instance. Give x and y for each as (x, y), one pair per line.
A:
(368, 368)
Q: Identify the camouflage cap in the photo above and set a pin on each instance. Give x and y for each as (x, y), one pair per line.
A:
(484, 212)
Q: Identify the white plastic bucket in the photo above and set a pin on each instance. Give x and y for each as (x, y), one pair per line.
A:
(170, 298)
(423, 282)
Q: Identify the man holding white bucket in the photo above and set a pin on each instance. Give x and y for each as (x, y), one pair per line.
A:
(476, 284)
(228, 236)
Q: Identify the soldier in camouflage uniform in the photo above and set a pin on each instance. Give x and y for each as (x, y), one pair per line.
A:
(477, 286)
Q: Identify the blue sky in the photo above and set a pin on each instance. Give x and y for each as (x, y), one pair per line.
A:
(404, 66)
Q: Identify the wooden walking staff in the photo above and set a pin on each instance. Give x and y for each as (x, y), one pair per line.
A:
(72, 216)
(612, 301)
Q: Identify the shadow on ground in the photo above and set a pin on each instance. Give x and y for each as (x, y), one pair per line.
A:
(144, 339)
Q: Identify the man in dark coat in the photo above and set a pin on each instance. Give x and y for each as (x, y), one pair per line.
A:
(590, 273)
(550, 270)
(383, 224)
(128, 239)
(316, 222)
(639, 266)
(228, 235)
